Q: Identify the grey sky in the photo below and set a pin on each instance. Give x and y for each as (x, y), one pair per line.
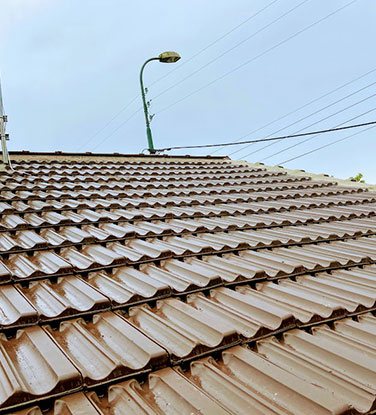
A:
(69, 66)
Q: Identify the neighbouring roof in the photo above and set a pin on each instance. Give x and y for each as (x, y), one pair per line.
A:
(134, 284)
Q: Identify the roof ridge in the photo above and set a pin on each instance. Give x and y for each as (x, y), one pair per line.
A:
(299, 173)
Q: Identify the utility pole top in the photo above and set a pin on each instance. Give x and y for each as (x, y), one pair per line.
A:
(3, 136)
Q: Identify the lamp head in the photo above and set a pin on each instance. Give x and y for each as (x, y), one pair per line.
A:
(169, 57)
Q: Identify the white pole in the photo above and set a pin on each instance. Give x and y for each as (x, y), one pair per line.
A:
(3, 120)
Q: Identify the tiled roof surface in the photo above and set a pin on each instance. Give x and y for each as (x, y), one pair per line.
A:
(161, 285)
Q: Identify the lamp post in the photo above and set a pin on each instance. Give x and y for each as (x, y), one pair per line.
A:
(165, 57)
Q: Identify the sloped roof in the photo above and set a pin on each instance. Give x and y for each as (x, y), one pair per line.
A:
(163, 285)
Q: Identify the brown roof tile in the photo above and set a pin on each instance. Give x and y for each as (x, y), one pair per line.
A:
(33, 367)
(127, 285)
(69, 296)
(166, 392)
(183, 330)
(16, 311)
(107, 348)
(245, 382)
(251, 315)
(196, 256)
(41, 264)
(77, 403)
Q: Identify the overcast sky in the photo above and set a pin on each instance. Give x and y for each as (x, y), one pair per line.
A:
(68, 67)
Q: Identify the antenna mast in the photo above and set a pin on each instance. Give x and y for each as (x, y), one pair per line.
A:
(3, 136)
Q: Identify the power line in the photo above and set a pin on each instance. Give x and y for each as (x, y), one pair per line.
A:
(327, 145)
(284, 137)
(296, 110)
(214, 42)
(226, 74)
(316, 112)
(108, 123)
(311, 138)
(177, 67)
(257, 56)
(230, 49)
(117, 128)
(243, 64)
(323, 119)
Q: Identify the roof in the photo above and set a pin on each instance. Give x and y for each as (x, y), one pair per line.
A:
(193, 285)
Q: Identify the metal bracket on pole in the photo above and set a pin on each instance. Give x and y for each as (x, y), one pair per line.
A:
(167, 57)
(146, 106)
(3, 136)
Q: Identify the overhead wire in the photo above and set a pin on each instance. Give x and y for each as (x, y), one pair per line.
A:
(327, 145)
(231, 49)
(239, 66)
(175, 68)
(312, 114)
(108, 123)
(296, 134)
(117, 128)
(249, 61)
(312, 137)
(185, 61)
(296, 110)
(323, 119)
(257, 56)
(283, 137)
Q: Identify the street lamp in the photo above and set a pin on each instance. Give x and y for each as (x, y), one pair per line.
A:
(165, 57)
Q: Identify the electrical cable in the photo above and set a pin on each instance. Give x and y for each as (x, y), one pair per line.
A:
(326, 145)
(296, 110)
(276, 138)
(108, 123)
(312, 137)
(214, 42)
(257, 56)
(323, 119)
(244, 64)
(316, 112)
(177, 67)
(117, 128)
(230, 49)
(284, 137)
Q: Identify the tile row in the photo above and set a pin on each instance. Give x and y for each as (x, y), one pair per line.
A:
(309, 299)
(175, 188)
(39, 172)
(55, 212)
(15, 181)
(124, 184)
(302, 373)
(113, 176)
(232, 191)
(126, 163)
(47, 263)
(73, 171)
(189, 244)
(72, 167)
(187, 329)
(105, 224)
(243, 203)
(327, 371)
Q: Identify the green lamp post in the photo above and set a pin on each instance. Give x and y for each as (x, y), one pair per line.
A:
(166, 57)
